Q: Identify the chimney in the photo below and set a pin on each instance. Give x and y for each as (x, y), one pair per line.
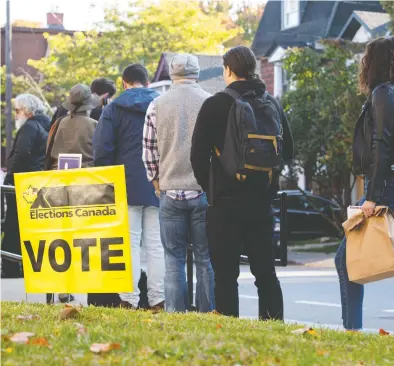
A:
(55, 20)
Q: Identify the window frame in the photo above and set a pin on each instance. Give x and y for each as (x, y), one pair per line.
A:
(285, 5)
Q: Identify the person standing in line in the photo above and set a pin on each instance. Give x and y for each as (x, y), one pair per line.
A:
(27, 155)
(72, 134)
(240, 210)
(118, 141)
(373, 157)
(168, 130)
(102, 87)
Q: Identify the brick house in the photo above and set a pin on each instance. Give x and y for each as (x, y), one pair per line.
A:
(29, 43)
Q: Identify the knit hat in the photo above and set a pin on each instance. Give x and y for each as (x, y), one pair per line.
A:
(81, 99)
(184, 66)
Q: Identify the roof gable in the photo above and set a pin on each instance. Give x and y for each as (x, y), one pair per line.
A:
(373, 22)
(345, 10)
(314, 17)
(318, 19)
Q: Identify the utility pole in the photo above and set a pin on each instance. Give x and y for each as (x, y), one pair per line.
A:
(8, 85)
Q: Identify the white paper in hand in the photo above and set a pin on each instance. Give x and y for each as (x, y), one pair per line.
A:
(353, 210)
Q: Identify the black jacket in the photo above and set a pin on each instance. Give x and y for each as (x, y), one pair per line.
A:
(373, 146)
(210, 131)
(28, 150)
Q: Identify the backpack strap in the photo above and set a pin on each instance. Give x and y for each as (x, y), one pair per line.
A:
(230, 92)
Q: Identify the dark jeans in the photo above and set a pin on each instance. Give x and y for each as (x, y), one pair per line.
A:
(229, 229)
(352, 294)
(181, 221)
(11, 240)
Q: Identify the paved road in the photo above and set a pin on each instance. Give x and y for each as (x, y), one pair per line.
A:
(311, 296)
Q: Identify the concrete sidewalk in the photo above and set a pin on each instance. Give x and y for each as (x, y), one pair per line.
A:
(310, 259)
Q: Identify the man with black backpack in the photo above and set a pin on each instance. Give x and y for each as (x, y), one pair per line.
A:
(240, 141)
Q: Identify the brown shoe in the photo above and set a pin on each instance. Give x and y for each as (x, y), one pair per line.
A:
(157, 308)
(126, 305)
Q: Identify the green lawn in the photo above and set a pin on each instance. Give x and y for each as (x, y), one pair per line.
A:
(144, 338)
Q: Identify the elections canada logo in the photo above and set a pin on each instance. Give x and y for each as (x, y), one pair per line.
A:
(71, 201)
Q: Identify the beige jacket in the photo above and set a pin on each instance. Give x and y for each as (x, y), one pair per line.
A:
(74, 136)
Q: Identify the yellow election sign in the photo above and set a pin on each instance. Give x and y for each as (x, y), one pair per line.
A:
(74, 230)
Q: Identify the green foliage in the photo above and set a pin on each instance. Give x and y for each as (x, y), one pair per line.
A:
(245, 18)
(141, 35)
(389, 7)
(323, 109)
(20, 84)
(248, 19)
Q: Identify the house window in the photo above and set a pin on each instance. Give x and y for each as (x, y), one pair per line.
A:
(291, 13)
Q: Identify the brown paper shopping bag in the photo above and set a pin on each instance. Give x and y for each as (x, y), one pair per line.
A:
(370, 246)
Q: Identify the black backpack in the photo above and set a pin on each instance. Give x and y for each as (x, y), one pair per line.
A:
(254, 139)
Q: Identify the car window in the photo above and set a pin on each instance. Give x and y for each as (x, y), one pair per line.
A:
(300, 202)
(305, 204)
(294, 203)
(316, 203)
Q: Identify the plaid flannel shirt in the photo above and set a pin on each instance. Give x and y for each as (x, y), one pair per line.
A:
(151, 157)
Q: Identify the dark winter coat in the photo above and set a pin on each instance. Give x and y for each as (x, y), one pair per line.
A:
(373, 145)
(28, 150)
(210, 132)
(118, 141)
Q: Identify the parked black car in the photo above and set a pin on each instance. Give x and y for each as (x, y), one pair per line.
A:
(309, 216)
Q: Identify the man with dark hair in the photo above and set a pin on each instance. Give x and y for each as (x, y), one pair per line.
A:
(105, 88)
(118, 141)
(102, 87)
(135, 73)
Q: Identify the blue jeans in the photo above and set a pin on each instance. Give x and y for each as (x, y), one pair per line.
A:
(180, 223)
(352, 294)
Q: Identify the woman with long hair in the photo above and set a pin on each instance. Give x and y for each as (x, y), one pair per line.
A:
(373, 157)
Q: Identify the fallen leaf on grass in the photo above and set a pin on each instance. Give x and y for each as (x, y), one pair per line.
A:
(39, 342)
(76, 306)
(21, 338)
(214, 312)
(219, 326)
(27, 317)
(322, 353)
(305, 331)
(382, 332)
(68, 312)
(147, 320)
(5, 338)
(104, 347)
